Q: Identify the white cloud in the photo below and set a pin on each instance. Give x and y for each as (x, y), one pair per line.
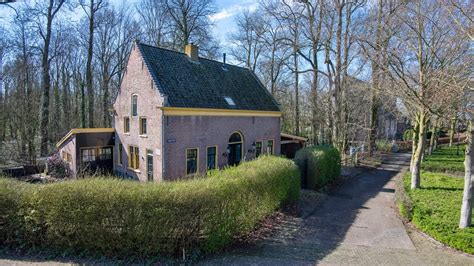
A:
(233, 10)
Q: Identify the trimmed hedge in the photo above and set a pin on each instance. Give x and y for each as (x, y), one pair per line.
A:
(119, 218)
(318, 165)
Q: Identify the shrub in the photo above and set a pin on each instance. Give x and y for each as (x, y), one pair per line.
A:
(120, 218)
(318, 165)
(57, 167)
(383, 145)
(12, 196)
(408, 134)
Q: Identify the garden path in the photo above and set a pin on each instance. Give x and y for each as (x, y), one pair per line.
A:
(358, 223)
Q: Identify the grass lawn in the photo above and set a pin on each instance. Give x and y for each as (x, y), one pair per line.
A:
(436, 209)
(445, 159)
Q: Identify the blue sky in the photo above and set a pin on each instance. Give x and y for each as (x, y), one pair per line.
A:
(226, 10)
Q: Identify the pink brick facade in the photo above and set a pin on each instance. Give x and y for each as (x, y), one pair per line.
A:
(137, 81)
(168, 137)
(183, 132)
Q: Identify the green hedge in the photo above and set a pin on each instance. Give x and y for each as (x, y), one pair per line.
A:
(318, 165)
(119, 218)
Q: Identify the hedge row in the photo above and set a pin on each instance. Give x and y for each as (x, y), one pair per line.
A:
(319, 165)
(119, 218)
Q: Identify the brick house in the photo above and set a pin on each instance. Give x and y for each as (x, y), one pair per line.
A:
(177, 114)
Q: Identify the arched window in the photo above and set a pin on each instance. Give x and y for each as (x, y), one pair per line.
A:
(134, 105)
(235, 137)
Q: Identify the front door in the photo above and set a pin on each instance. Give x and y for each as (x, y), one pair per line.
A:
(149, 165)
(235, 154)
(235, 148)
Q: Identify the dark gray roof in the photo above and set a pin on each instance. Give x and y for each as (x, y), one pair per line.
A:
(205, 84)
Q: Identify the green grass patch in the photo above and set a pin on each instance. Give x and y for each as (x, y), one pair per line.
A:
(435, 209)
(445, 159)
(123, 219)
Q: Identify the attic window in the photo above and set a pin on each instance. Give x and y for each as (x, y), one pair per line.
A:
(229, 101)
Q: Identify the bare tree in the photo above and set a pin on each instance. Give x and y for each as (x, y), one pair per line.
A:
(248, 39)
(155, 21)
(45, 10)
(374, 43)
(424, 49)
(288, 15)
(91, 8)
(313, 17)
(190, 22)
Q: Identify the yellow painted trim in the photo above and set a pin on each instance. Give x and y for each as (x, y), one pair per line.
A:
(83, 130)
(96, 150)
(261, 146)
(186, 161)
(293, 137)
(140, 126)
(182, 111)
(129, 166)
(216, 155)
(242, 144)
(125, 124)
(149, 152)
(273, 145)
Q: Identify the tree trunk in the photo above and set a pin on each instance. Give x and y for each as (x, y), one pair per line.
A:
(466, 208)
(451, 131)
(374, 89)
(297, 95)
(105, 101)
(83, 106)
(90, 89)
(373, 122)
(45, 83)
(418, 155)
(434, 131)
(414, 144)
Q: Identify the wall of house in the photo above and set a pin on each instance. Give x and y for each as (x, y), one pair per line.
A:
(93, 140)
(69, 147)
(137, 80)
(183, 132)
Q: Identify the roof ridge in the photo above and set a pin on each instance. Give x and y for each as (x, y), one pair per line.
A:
(182, 53)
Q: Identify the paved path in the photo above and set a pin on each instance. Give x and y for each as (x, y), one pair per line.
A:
(357, 224)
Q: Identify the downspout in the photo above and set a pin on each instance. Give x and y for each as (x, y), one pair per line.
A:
(163, 146)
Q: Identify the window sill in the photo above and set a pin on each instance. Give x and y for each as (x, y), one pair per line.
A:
(127, 133)
(143, 136)
(134, 170)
